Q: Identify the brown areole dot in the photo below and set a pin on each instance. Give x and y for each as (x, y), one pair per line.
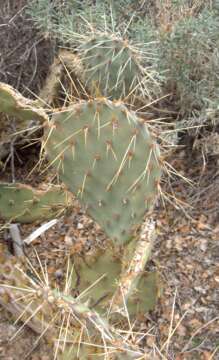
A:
(98, 107)
(156, 183)
(97, 157)
(35, 200)
(78, 110)
(109, 143)
(141, 121)
(88, 173)
(72, 142)
(135, 131)
(137, 187)
(124, 112)
(116, 217)
(130, 154)
(151, 167)
(108, 223)
(58, 126)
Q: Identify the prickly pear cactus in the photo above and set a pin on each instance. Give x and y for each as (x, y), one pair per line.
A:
(103, 277)
(108, 158)
(114, 275)
(112, 67)
(56, 315)
(25, 204)
(134, 286)
(14, 104)
(26, 294)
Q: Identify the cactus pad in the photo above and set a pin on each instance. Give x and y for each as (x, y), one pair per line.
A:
(111, 66)
(22, 203)
(108, 158)
(58, 316)
(14, 104)
(102, 276)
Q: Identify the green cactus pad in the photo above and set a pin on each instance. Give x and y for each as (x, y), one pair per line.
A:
(145, 296)
(112, 67)
(24, 204)
(14, 104)
(99, 273)
(108, 158)
(51, 313)
(99, 278)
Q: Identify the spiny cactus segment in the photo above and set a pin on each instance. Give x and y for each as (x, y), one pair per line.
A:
(116, 274)
(99, 272)
(25, 204)
(63, 84)
(112, 67)
(107, 157)
(14, 104)
(132, 279)
(83, 332)
(102, 276)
